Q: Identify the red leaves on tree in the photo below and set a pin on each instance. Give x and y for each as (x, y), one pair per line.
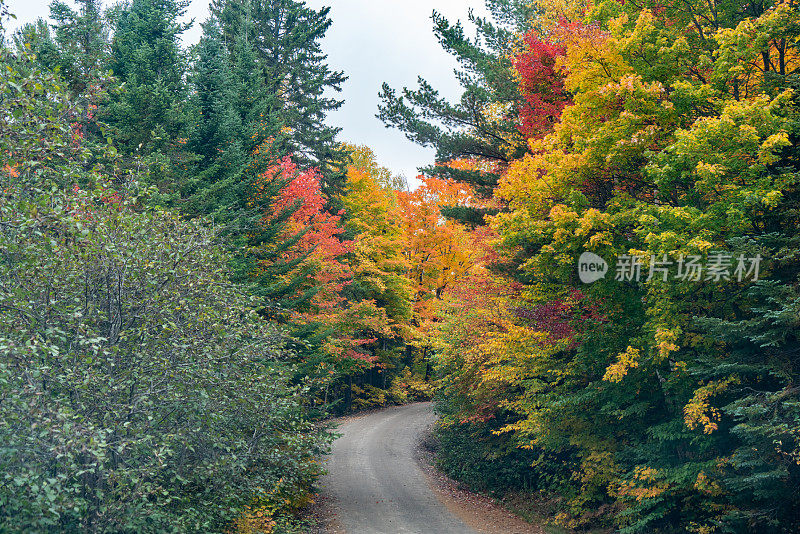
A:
(321, 231)
(561, 318)
(351, 323)
(541, 85)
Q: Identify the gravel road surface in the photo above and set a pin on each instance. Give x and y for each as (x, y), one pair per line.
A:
(375, 484)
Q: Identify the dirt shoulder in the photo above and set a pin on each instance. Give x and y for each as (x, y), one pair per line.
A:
(482, 513)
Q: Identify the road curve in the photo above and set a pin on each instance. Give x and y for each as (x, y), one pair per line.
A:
(374, 482)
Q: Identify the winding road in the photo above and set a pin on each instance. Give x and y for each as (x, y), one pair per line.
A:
(375, 483)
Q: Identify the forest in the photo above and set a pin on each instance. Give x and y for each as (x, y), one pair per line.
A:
(597, 281)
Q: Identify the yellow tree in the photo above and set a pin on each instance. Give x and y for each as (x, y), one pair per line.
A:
(439, 251)
(374, 221)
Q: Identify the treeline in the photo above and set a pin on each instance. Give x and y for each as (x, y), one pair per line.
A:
(661, 137)
(194, 269)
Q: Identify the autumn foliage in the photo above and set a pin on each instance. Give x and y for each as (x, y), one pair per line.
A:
(195, 271)
(649, 404)
(541, 85)
(318, 233)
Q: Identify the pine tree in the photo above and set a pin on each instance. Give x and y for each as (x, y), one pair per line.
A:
(217, 137)
(78, 49)
(219, 123)
(82, 41)
(251, 100)
(260, 79)
(468, 128)
(284, 37)
(239, 175)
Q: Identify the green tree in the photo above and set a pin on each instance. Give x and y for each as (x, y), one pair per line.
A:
(280, 42)
(481, 125)
(260, 81)
(149, 115)
(217, 138)
(668, 152)
(82, 43)
(140, 391)
(77, 49)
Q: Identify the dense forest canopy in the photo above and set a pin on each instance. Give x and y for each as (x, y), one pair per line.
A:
(597, 280)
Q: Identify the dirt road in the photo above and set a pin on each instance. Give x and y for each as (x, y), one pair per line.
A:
(375, 484)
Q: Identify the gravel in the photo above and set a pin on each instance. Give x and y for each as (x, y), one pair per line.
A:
(375, 483)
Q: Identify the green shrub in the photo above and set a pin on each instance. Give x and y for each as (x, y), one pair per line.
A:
(139, 391)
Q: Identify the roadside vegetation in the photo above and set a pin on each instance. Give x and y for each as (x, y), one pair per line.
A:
(196, 271)
(662, 138)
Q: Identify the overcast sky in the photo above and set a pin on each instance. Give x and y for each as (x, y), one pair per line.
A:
(372, 41)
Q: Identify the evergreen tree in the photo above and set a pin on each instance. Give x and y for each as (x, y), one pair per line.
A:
(78, 49)
(469, 128)
(219, 122)
(149, 115)
(239, 175)
(250, 97)
(82, 43)
(279, 41)
(260, 80)
(217, 137)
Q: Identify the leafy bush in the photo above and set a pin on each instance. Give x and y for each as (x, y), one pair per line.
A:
(368, 397)
(139, 391)
(409, 386)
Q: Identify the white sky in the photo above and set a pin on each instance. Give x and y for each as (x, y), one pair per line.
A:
(372, 41)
